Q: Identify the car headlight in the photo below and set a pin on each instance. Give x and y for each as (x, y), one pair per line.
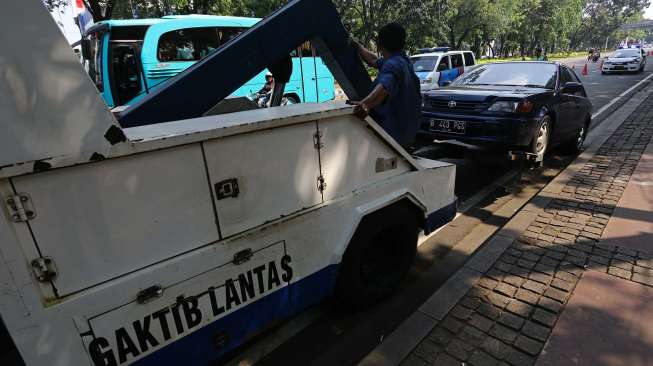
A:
(505, 106)
(426, 81)
(635, 61)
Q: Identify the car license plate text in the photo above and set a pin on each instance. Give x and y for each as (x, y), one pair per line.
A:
(450, 126)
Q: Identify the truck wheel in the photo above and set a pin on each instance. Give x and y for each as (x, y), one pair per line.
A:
(378, 257)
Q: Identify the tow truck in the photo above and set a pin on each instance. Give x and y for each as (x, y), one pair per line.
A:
(181, 229)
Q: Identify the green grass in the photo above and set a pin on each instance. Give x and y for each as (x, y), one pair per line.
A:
(551, 57)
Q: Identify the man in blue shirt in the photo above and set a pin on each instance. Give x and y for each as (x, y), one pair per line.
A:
(395, 100)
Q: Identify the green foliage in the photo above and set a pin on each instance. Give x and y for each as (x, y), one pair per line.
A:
(498, 27)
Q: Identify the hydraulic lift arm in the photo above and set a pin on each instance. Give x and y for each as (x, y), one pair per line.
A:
(199, 88)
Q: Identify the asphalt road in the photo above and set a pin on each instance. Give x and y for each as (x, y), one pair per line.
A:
(603, 89)
(343, 339)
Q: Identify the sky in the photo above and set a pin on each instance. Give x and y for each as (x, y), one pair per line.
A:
(648, 14)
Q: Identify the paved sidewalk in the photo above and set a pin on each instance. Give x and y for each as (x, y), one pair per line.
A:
(579, 278)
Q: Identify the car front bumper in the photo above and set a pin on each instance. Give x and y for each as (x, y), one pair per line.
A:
(620, 68)
(482, 130)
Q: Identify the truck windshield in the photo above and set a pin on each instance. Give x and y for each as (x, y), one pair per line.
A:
(527, 74)
(424, 63)
(193, 44)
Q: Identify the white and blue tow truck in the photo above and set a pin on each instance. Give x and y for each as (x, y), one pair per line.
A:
(171, 235)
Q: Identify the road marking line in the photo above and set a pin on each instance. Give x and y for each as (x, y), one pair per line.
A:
(605, 107)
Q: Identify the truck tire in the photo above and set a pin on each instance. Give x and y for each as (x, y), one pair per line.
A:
(378, 257)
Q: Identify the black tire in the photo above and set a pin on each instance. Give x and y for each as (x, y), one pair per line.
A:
(536, 147)
(378, 257)
(575, 145)
(603, 73)
(289, 99)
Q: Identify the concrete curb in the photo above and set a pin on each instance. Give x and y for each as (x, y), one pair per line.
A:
(410, 333)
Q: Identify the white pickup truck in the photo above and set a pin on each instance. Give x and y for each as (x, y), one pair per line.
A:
(174, 243)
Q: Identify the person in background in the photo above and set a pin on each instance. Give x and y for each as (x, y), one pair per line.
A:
(395, 100)
(263, 95)
(538, 56)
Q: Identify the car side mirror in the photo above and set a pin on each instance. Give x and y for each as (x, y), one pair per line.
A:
(571, 87)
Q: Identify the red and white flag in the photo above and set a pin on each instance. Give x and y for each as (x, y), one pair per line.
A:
(84, 17)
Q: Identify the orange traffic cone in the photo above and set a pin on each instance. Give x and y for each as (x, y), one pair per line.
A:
(585, 72)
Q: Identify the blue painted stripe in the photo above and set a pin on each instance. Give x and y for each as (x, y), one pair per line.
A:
(199, 348)
(441, 217)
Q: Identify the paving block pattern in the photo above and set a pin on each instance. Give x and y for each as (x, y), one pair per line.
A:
(506, 318)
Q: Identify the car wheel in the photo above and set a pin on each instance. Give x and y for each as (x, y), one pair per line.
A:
(540, 143)
(575, 145)
(289, 99)
(378, 257)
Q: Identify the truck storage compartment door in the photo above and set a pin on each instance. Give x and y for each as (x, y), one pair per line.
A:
(263, 176)
(197, 320)
(375, 160)
(102, 220)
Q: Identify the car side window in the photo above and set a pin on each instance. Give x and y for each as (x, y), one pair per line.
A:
(565, 76)
(444, 64)
(456, 60)
(469, 59)
(574, 77)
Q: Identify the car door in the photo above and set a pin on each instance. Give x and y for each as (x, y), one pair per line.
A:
(444, 69)
(572, 107)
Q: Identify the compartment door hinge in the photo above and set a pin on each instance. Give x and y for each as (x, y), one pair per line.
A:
(44, 269)
(321, 183)
(20, 207)
(317, 140)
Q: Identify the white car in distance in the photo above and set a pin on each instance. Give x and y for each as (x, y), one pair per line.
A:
(625, 60)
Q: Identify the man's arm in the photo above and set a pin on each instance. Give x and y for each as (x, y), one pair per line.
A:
(367, 56)
(376, 97)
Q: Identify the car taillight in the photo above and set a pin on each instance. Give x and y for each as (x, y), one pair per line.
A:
(525, 107)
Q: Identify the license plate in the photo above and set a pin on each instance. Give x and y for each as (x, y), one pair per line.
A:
(444, 125)
(618, 67)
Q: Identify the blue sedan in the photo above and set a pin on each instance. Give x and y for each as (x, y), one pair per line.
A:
(527, 106)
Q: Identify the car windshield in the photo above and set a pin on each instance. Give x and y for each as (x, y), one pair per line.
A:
(425, 63)
(528, 74)
(626, 53)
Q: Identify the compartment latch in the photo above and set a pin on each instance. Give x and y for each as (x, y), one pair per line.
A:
(149, 294)
(227, 188)
(243, 256)
(44, 269)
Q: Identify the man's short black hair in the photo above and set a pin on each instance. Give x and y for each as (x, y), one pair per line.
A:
(392, 37)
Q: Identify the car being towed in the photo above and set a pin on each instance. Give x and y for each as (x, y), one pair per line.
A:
(528, 106)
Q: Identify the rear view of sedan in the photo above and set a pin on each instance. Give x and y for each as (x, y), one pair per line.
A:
(624, 60)
(527, 106)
